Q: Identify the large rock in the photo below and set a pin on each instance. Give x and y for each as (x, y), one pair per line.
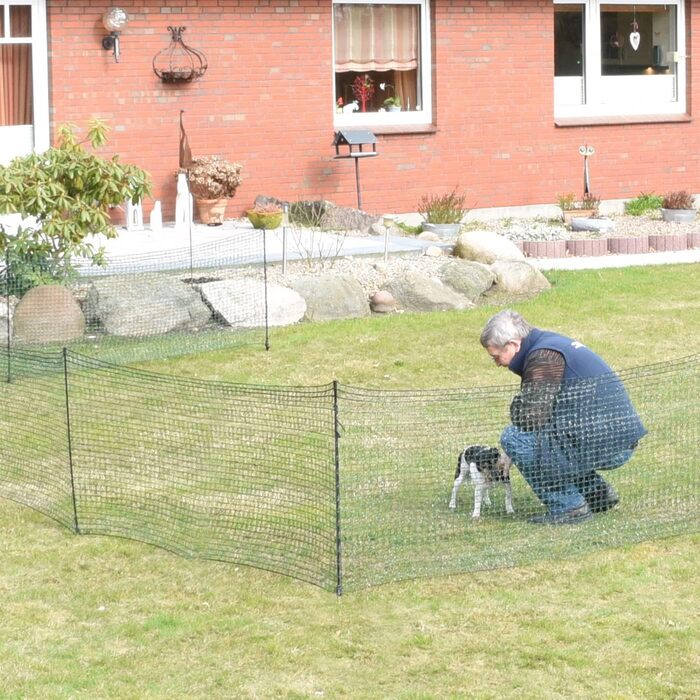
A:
(241, 303)
(519, 279)
(471, 279)
(136, 306)
(331, 297)
(415, 291)
(486, 247)
(48, 314)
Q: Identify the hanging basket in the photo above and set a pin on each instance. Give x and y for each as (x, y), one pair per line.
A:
(179, 63)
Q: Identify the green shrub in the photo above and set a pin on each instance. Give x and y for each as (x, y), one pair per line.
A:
(643, 204)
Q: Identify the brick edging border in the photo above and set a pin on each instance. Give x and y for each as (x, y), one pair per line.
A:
(595, 247)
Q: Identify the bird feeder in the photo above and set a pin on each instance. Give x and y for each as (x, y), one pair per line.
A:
(355, 143)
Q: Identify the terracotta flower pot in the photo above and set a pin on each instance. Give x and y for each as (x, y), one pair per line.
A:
(211, 211)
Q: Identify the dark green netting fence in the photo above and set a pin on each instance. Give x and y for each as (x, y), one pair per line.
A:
(339, 486)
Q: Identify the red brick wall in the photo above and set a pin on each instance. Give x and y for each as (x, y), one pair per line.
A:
(266, 98)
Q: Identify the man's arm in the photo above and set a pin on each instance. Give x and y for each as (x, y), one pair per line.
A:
(541, 380)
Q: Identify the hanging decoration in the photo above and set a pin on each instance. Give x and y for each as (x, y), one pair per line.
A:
(634, 34)
(179, 63)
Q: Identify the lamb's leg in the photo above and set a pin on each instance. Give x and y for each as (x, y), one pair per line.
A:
(478, 495)
(455, 488)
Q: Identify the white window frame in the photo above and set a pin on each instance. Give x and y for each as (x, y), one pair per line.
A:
(19, 140)
(413, 117)
(594, 82)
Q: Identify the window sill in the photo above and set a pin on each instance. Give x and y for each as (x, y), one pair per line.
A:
(624, 119)
(391, 129)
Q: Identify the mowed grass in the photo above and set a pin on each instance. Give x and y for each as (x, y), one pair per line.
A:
(94, 617)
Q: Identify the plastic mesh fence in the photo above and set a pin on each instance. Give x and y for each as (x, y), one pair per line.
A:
(339, 486)
(141, 306)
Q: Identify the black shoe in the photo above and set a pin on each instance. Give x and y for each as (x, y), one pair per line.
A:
(603, 499)
(570, 517)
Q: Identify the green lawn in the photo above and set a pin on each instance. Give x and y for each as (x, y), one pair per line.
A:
(94, 617)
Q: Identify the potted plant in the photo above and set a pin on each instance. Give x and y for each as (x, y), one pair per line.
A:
(572, 208)
(678, 207)
(267, 216)
(392, 104)
(213, 181)
(443, 213)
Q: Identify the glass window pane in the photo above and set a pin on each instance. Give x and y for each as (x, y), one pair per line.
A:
(568, 40)
(637, 40)
(16, 104)
(20, 21)
(377, 57)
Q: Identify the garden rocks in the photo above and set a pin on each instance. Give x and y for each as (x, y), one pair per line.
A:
(48, 314)
(486, 247)
(588, 224)
(136, 305)
(382, 302)
(519, 278)
(471, 279)
(241, 303)
(331, 297)
(416, 291)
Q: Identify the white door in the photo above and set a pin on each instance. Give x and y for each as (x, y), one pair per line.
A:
(24, 102)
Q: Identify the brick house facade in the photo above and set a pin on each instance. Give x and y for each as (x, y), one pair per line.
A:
(267, 101)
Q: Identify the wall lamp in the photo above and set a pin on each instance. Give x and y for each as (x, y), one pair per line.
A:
(114, 20)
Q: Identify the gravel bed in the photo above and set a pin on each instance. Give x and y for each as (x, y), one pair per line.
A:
(550, 230)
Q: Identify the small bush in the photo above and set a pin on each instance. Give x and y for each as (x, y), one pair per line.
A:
(643, 204)
(443, 208)
(567, 201)
(307, 214)
(678, 200)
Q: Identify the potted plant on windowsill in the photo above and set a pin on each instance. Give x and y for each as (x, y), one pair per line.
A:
(443, 213)
(392, 104)
(213, 181)
(678, 207)
(267, 216)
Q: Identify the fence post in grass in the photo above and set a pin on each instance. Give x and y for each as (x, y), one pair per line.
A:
(267, 327)
(336, 453)
(9, 324)
(70, 442)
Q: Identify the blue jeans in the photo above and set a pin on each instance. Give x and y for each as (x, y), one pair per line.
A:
(556, 482)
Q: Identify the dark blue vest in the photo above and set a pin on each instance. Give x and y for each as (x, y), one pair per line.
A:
(593, 418)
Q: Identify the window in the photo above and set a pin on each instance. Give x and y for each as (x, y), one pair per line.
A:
(618, 59)
(381, 62)
(23, 78)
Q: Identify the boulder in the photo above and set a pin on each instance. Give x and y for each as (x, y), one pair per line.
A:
(519, 278)
(415, 291)
(382, 302)
(137, 305)
(471, 279)
(48, 314)
(331, 297)
(241, 303)
(486, 247)
(588, 224)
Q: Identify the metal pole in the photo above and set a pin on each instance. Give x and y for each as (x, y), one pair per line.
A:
(338, 537)
(70, 442)
(267, 325)
(357, 183)
(285, 220)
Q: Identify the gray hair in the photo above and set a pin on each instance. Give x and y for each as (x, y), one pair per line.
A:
(505, 326)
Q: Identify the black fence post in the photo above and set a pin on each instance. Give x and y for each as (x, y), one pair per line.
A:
(336, 451)
(70, 442)
(8, 378)
(267, 325)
